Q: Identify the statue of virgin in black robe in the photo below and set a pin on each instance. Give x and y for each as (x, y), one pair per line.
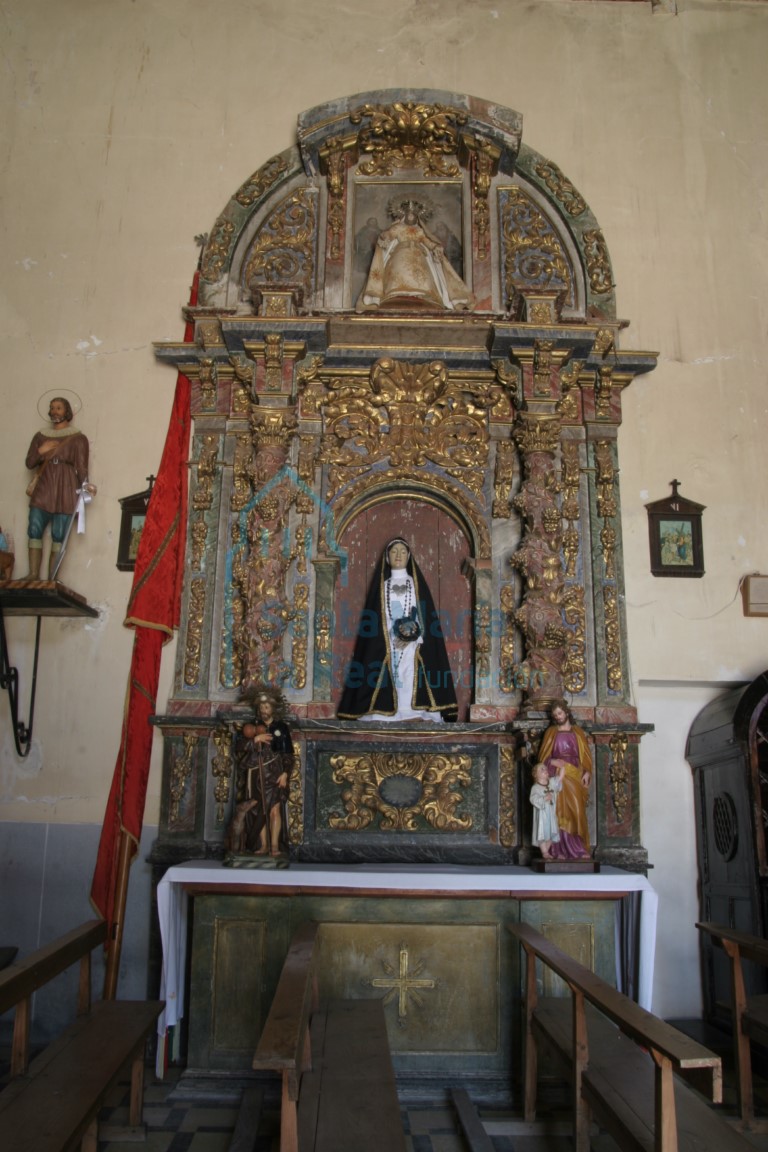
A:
(399, 668)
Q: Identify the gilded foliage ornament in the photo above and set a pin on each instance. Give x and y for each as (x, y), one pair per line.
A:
(533, 255)
(404, 789)
(409, 135)
(283, 250)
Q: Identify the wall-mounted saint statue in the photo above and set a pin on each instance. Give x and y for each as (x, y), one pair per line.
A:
(399, 668)
(410, 268)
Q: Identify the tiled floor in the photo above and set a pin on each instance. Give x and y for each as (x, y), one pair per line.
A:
(178, 1120)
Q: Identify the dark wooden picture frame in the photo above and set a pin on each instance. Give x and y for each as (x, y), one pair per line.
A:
(675, 536)
(132, 520)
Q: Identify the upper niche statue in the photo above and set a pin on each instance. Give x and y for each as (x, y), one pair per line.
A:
(410, 268)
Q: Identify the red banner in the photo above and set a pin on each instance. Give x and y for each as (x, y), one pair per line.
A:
(153, 611)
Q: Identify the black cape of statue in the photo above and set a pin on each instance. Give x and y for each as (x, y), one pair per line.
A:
(368, 683)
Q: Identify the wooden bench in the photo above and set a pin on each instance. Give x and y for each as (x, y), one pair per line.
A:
(620, 1060)
(51, 1103)
(749, 1013)
(338, 1084)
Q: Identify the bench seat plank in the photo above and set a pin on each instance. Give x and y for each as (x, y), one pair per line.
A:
(353, 1081)
(50, 1107)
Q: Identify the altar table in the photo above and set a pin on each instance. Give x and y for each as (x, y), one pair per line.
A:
(436, 882)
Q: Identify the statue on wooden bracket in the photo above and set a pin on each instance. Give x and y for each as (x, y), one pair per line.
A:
(399, 668)
(59, 489)
(410, 268)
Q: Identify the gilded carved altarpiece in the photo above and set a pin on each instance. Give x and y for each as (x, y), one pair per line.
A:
(328, 419)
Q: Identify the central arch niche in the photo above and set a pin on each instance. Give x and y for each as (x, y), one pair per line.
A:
(441, 550)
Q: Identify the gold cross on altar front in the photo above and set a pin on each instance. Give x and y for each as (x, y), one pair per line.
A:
(404, 985)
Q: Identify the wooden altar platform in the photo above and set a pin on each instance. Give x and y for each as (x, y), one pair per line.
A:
(432, 941)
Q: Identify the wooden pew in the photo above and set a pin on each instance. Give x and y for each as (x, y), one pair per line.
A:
(620, 1061)
(51, 1103)
(750, 1013)
(338, 1084)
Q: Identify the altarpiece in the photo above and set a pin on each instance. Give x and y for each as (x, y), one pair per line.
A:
(341, 396)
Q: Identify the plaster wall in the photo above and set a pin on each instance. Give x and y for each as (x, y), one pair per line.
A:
(124, 130)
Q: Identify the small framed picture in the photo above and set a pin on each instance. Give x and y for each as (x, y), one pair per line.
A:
(132, 521)
(674, 527)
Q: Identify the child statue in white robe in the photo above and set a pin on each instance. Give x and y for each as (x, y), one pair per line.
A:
(546, 829)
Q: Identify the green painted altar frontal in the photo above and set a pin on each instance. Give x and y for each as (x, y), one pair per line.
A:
(444, 964)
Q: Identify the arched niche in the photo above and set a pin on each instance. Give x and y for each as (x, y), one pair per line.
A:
(442, 549)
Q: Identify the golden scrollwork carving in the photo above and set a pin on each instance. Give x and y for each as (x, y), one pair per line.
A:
(217, 249)
(571, 478)
(503, 479)
(612, 638)
(231, 655)
(408, 135)
(244, 370)
(507, 658)
(305, 468)
(300, 632)
(296, 803)
(311, 388)
(510, 379)
(608, 545)
(570, 551)
(303, 545)
(199, 536)
(575, 662)
(206, 471)
(209, 382)
(507, 794)
(536, 433)
(261, 181)
(406, 413)
(273, 361)
(333, 164)
(242, 472)
(483, 641)
(221, 769)
(194, 644)
(208, 334)
(603, 392)
(283, 250)
(533, 255)
(403, 788)
(542, 367)
(275, 426)
(619, 775)
(561, 188)
(323, 642)
(484, 160)
(181, 770)
(604, 342)
(568, 406)
(605, 479)
(598, 264)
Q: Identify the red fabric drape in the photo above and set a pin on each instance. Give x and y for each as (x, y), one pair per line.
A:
(153, 611)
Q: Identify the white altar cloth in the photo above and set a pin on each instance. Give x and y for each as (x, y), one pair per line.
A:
(434, 879)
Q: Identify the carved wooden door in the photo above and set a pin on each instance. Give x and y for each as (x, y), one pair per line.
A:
(728, 750)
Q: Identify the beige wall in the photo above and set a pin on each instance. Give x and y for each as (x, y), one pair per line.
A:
(125, 128)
